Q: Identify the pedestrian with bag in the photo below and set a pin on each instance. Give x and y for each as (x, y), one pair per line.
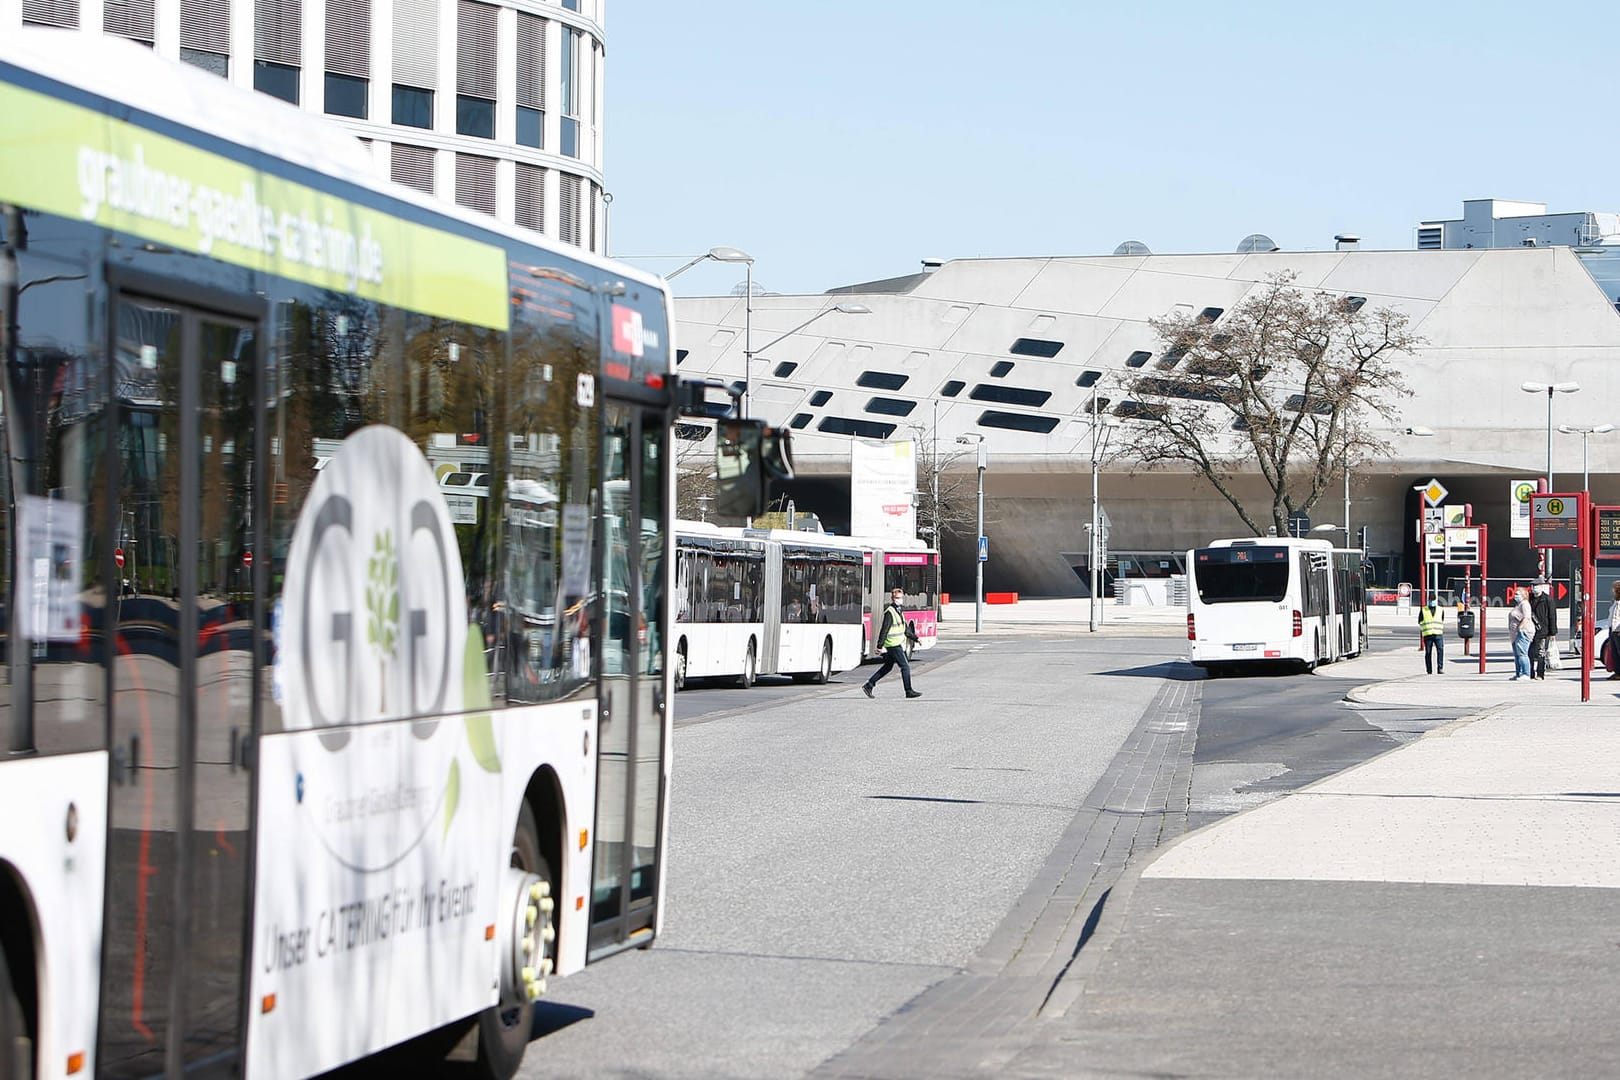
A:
(893, 636)
(1521, 628)
(1610, 652)
(1432, 628)
(1546, 636)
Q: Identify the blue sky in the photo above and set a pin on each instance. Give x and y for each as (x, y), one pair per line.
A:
(839, 141)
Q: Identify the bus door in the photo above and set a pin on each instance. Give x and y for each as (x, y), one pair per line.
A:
(771, 600)
(183, 687)
(631, 751)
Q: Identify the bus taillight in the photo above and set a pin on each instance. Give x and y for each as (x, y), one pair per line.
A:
(1192, 633)
(1299, 625)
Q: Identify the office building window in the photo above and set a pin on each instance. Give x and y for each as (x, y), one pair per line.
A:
(784, 369)
(1138, 358)
(1010, 395)
(568, 135)
(212, 62)
(1087, 378)
(888, 406)
(1041, 425)
(882, 380)
(413, 107)
(820, 398)
(277, 80)
(475, 116)
(1028, 346)
(530, 126)
(1000, 369)
(952, 388)
(345, 95)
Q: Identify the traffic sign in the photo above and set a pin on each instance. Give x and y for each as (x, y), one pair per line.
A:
(1434, 493)
(118, 557)
(1519, 492)
(247, 558)
(984, 549)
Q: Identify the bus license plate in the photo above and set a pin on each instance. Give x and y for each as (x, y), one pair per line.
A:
(1247, 646)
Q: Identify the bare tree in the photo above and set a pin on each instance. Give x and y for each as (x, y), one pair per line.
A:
(947, 491)
(694, 470)
(1282, 382)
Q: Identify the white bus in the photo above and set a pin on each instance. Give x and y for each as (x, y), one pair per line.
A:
(1256, 601)
(762, 602)
(301, 760)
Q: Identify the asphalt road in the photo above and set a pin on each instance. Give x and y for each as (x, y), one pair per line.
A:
(833, 859)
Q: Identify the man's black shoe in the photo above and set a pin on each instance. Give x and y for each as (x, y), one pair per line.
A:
(867, 690)
(912, 693)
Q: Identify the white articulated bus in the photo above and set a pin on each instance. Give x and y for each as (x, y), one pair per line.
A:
(1268, 600)
(761, 602)
(306, 752)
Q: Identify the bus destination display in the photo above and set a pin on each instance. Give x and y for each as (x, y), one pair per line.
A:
(1608, 523)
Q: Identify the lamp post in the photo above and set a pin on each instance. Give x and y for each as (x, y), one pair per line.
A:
(978, 577)
(748, 355)
(1094, 549)
(1549, 389)
(732, 255)
(1585, 431)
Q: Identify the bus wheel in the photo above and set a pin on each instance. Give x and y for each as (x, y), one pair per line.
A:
(825, 672)
(526, 902)
(680, 666)
(750, 669)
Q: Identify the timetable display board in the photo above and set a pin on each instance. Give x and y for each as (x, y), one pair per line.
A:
(1608, 531)
(1555, 520)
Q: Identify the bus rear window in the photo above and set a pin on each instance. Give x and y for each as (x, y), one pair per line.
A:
(1235, 575)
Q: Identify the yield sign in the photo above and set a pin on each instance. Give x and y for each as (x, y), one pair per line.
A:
(1434, 493)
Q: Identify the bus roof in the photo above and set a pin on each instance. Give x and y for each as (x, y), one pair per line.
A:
(134, 76)
(1305, 543)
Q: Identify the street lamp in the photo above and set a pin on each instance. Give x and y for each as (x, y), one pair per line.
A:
(1549, 389)
(731, 255)
(1094, 543)
(978, 556)
(749, 354)
(1585, 431)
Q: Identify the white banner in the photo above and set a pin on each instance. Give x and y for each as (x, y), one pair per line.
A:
(882, 489)
(1519, 492)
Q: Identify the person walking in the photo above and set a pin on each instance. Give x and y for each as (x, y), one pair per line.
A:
(1546, 636)
(1432, 627)
(1611, 643)
(1521, 627)
(893, 636)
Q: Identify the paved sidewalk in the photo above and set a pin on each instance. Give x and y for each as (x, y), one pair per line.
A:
(1446, 908)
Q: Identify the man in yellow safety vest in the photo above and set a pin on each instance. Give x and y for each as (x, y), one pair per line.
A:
(892, 636)
(1432, 626)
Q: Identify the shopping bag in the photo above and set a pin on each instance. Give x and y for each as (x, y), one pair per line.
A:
(1555, 662)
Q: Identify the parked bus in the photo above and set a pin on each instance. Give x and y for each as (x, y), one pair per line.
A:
(914, 568)
(763, 602)
(1274, 600)
(311, 784)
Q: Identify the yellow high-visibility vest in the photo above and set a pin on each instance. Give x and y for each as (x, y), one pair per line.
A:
(1430, 622)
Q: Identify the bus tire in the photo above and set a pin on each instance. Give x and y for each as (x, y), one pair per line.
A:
(680, 666)
(824, 672)
(504, 1031)
(16, 1047)
(750, 668)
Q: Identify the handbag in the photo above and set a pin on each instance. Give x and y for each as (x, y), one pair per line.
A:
(1555, 662)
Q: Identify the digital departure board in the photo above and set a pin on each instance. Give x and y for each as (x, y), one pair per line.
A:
(1608, 538)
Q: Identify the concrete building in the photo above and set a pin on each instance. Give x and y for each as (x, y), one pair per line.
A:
(1014, 349)
(493, 106)
(1499, 223)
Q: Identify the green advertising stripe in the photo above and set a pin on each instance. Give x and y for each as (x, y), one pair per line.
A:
(75, 162)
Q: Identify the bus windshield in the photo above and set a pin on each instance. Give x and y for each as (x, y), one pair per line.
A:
(1235, 575)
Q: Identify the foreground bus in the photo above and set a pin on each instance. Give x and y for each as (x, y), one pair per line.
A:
(913, 568)
(307, 754)
(1252, 602)
(765, 602)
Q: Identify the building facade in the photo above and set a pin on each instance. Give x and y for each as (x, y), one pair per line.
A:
(492, 106)
(1017, 350)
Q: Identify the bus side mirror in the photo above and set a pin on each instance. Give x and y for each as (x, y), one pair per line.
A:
(748, 457)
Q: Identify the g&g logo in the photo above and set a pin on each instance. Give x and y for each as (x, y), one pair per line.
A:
(374, 611)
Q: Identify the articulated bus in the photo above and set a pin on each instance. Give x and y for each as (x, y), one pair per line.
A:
(914, 568)
(753, 602)
(1274, 600)
(306, 753)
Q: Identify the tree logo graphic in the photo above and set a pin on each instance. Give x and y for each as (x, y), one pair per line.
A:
(382, 608)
